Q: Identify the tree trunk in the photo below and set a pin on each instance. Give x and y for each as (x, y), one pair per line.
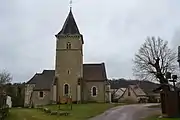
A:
(165, 88)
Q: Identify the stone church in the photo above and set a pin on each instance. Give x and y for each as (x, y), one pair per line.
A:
(71, 78)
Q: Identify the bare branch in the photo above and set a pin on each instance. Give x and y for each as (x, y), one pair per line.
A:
(5, 77)
(154, 59)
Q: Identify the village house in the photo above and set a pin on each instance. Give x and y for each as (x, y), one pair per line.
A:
(134, 91)
(116, 94)
(71, 77)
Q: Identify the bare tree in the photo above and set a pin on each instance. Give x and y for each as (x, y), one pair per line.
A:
(5, 77)
(154, 59)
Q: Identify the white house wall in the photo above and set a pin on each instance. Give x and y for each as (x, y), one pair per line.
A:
(118, 93)
(132, 96)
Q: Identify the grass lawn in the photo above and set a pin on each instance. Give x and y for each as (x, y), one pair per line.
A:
(155, 117)
(155, 106)
(79, 112)
(29, 114)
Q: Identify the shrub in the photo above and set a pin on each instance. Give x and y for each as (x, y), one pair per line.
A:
(4, 112)
(4, 109)
(128, 101)
(46, 110)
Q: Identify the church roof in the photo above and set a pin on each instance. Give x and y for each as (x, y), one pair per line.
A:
(70, 26)
(91, 72)
(42, 81)
(94, 72)
(137, 90)
(146, 86)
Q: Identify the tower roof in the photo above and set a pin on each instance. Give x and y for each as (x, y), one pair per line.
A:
(70, 26)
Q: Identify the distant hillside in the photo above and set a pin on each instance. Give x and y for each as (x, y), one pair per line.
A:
(147, 86)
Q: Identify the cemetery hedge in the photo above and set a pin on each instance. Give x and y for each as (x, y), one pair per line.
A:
(16, 92)
(4, 109)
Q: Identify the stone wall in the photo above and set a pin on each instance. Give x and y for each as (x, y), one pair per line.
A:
(100, 86)
(28, 94)
(38, 101)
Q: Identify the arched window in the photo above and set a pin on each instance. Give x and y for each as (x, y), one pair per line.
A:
(41, 94)
(68, 46)
(94, 91)
(66, 89)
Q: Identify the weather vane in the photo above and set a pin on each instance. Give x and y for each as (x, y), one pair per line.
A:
(70, 4)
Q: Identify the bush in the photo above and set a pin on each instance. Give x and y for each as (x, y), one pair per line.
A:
(115, 100)
(4, 112)
(4, 109)
(128, 101)
(152, 99)
(46, 110)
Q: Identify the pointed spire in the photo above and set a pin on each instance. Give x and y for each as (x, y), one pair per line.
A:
(70, 4)
(70, 26)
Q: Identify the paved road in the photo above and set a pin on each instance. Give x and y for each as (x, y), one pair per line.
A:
(127, 112)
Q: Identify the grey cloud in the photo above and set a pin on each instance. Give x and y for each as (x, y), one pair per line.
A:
(113, 31)
(176, 38)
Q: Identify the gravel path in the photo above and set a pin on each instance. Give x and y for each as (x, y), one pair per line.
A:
(127, 112)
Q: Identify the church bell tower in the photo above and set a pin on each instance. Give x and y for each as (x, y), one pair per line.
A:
(69, 59)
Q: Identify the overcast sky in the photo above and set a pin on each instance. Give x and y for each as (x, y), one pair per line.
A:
(113, 31)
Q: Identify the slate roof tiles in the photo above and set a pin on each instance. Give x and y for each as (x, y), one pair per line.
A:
(45, 80)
